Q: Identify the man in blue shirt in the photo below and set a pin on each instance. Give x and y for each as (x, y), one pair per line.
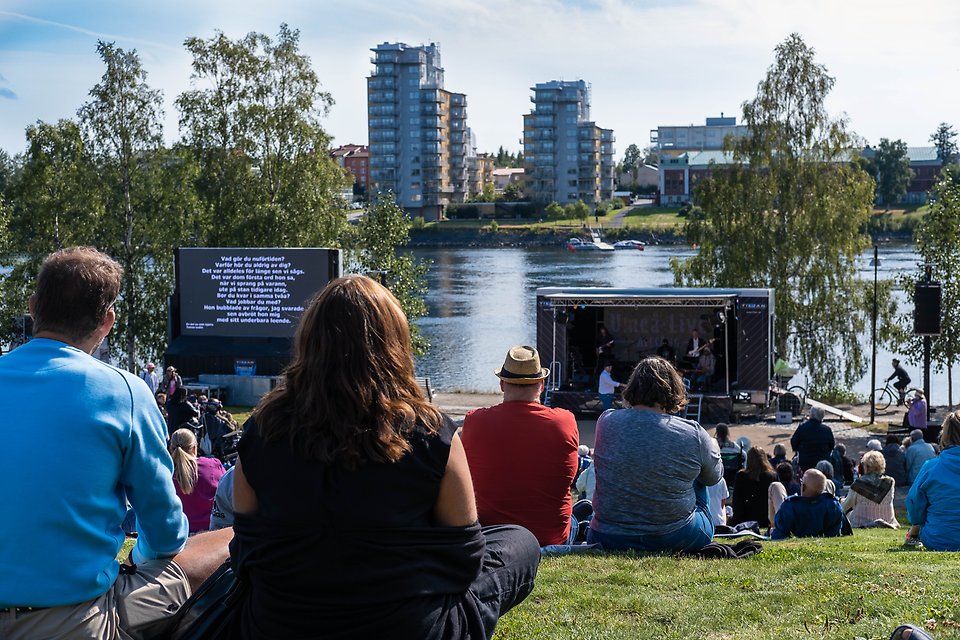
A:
(81, 439)
(812, 514)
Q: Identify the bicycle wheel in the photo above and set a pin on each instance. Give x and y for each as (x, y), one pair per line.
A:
(799, 391)
(882, 399)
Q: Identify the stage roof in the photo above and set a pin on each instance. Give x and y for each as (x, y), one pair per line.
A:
(661, 297)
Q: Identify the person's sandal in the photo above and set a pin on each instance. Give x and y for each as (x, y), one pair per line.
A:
(916, 633)
(912, 542)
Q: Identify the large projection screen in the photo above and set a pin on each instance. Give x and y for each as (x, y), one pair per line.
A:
(257, 293)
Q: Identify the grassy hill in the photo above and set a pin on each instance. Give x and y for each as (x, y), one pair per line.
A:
(855, 587)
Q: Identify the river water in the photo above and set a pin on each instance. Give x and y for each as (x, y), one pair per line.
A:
(483, 300)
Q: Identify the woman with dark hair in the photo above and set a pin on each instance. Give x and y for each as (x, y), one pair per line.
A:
(653, 468)
(750, 489)
(781, 489)
(355, 513)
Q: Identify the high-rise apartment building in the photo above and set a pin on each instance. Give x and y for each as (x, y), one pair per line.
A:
(419, 140)
(567, 157)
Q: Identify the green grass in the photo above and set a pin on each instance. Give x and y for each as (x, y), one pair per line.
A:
(861, 586)
(240, 414)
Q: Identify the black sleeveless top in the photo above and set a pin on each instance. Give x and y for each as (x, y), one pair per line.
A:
(334, 553)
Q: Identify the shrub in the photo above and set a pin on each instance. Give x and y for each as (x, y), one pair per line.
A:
(418, 223)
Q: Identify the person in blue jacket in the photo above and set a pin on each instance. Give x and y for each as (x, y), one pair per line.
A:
(932, 503)
(812, 514)
(102, 438)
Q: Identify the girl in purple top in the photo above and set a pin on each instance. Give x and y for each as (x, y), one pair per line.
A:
(196, 479)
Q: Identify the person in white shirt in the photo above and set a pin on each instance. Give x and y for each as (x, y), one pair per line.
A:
(718, 494)
(150, 377)
(607, 386)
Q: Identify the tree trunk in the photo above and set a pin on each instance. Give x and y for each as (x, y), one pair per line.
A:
(128, 259)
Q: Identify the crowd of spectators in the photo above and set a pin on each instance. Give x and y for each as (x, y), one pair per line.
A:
(437, 531)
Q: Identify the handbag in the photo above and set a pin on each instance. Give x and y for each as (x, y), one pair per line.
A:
(210, 612)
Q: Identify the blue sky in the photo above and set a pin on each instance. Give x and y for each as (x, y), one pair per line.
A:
(650, 62)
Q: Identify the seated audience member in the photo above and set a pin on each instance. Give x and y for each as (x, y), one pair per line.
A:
(103, 440)
(523, 455)
(180, 410)
(779, 490)
(896, 461)
(718, 494)
(812, 441)
(779, 455)
(161, 398)
(846, 464)
(731, 454)
(196, 479)
(221, 515)
(811, 514)
(750, 489)
(932, 504)
(587, 482)
(653, 468)
(869, 502)
(826, 469)
(354, 514)
(917, 453)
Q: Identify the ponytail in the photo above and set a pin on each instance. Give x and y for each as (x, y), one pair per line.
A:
(183, 447)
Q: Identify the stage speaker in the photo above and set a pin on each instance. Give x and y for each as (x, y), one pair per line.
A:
(926, 309)
(563, 316)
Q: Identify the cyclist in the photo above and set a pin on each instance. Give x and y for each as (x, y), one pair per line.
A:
(903, 380)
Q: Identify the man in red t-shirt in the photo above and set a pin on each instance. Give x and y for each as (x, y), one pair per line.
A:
(523, 455)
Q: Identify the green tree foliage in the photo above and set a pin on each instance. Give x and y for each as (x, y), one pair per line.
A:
(266, 175)
(55, 201)
(651, 155)
(944, 139)
(513, 192)
(578, 211)
(632, 158)
(893, 171)
(787, 213)
(938, 243)
(554, 211)
(505, 159)
(373, 251)
(121, 125)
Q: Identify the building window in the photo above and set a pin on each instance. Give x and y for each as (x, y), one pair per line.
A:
(571, 106)
(414, 108)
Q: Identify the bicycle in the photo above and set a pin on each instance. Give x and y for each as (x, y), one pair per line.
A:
(885, 396)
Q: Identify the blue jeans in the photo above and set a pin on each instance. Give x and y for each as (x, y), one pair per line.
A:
(607, 400)
(693, 536)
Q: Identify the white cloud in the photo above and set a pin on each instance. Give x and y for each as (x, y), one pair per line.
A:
(650, 62)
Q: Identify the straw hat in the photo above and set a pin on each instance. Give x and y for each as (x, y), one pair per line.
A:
(522, 366)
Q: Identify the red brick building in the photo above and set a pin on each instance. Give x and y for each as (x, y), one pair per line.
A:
(355, 159)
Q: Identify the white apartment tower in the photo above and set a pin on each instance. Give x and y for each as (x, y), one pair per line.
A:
(567, 157)
(419, 140)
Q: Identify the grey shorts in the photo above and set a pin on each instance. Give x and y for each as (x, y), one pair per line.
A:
(156, 590)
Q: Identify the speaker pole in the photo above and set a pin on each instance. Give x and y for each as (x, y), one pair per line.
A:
(927, 277)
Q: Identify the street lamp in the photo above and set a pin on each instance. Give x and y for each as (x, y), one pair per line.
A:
(875, 263)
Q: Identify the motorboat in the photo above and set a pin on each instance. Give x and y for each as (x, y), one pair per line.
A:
(595, 243)
(630, 244)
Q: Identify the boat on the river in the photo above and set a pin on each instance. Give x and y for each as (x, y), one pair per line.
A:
(630, 244)
(595, 243)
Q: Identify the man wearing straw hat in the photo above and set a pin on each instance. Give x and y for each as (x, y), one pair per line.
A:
(523, 455)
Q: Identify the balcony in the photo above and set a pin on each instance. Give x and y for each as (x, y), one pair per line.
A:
(607, 136)
(458, 100)
(588, 133)
(384, 70)
(375, 97)
(458, 113)
(381, 83)
(586, 147)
